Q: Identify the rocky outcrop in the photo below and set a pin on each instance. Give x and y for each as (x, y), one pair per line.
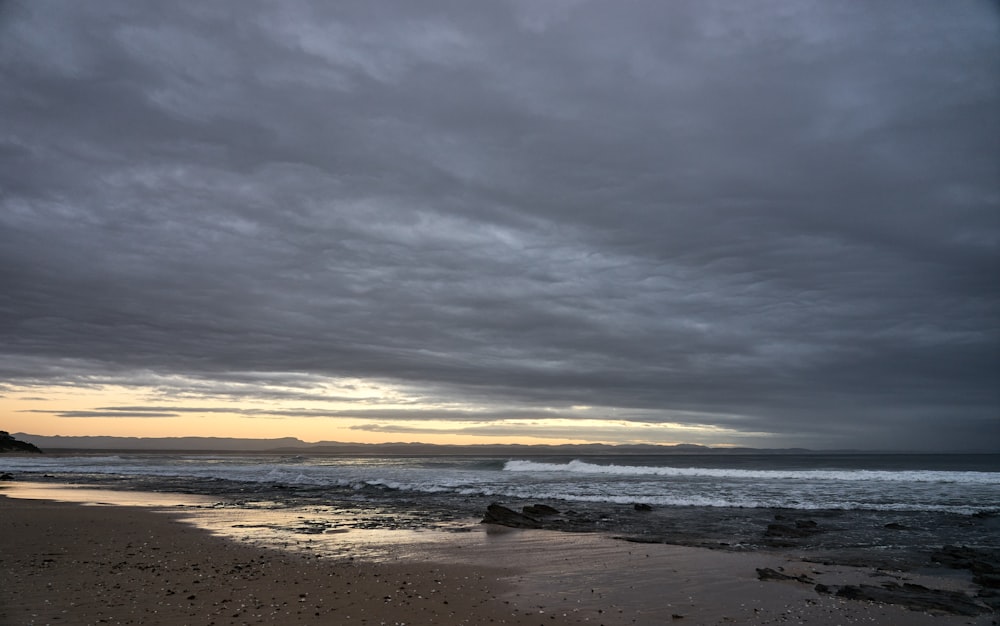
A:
(766, 573)
(502, 516)
(800, 529)
(984, 565)
(915, 597)
(539, 510)
(9, 444)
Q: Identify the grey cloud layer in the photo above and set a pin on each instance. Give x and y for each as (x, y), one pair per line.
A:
(784, 211)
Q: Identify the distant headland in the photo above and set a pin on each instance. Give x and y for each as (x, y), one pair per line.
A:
(10, 444)
(292, 445)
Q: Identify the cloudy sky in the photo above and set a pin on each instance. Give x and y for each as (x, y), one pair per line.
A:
(767, 223)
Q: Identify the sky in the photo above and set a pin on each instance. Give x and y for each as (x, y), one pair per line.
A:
(762, 223)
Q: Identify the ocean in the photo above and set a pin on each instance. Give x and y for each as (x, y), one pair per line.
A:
(836, 505)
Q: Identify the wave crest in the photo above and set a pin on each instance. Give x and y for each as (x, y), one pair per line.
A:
(577, 466)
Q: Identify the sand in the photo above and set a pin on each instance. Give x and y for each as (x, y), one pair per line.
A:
(74, 563)
(65, 563)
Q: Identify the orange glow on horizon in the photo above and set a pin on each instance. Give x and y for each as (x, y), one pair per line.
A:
(120, 411)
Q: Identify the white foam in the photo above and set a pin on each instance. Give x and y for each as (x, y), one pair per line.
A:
(929, 476)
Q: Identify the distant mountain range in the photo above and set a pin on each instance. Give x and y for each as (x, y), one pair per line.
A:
(291, 445)
(196, 444)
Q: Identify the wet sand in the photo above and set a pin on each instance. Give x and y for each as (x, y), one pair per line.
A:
(178, 560)
(65, 563)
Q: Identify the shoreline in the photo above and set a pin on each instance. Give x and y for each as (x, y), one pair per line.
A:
(66, 562)
(76, 558)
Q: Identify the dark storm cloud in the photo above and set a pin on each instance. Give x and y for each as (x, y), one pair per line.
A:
(784, 212)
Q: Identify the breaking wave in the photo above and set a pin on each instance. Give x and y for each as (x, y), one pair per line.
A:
(842, 475)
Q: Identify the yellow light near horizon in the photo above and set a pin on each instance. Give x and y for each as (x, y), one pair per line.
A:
(358, 411)
(49, 411)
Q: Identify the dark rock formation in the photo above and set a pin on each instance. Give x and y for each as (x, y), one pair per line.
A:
(501, 515)
(766, 573)
(642, 507)
(539, 510)
(984, 564)
(916, 597)
(9, 444)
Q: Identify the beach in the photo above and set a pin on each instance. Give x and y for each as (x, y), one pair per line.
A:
(68, 563)
(100, 558)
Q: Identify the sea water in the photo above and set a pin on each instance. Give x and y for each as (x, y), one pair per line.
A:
(963, 484)
(902, 501)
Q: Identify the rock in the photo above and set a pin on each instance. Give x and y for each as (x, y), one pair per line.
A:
(766, 573)
(896, 526)
(988, 580)
(501, 515)
(539, 509)
(10, 444)
(798, 529)
(639, 506)
(963, 557)
(984, 564)
(791, 532)
(6, 476)
(916, 597)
